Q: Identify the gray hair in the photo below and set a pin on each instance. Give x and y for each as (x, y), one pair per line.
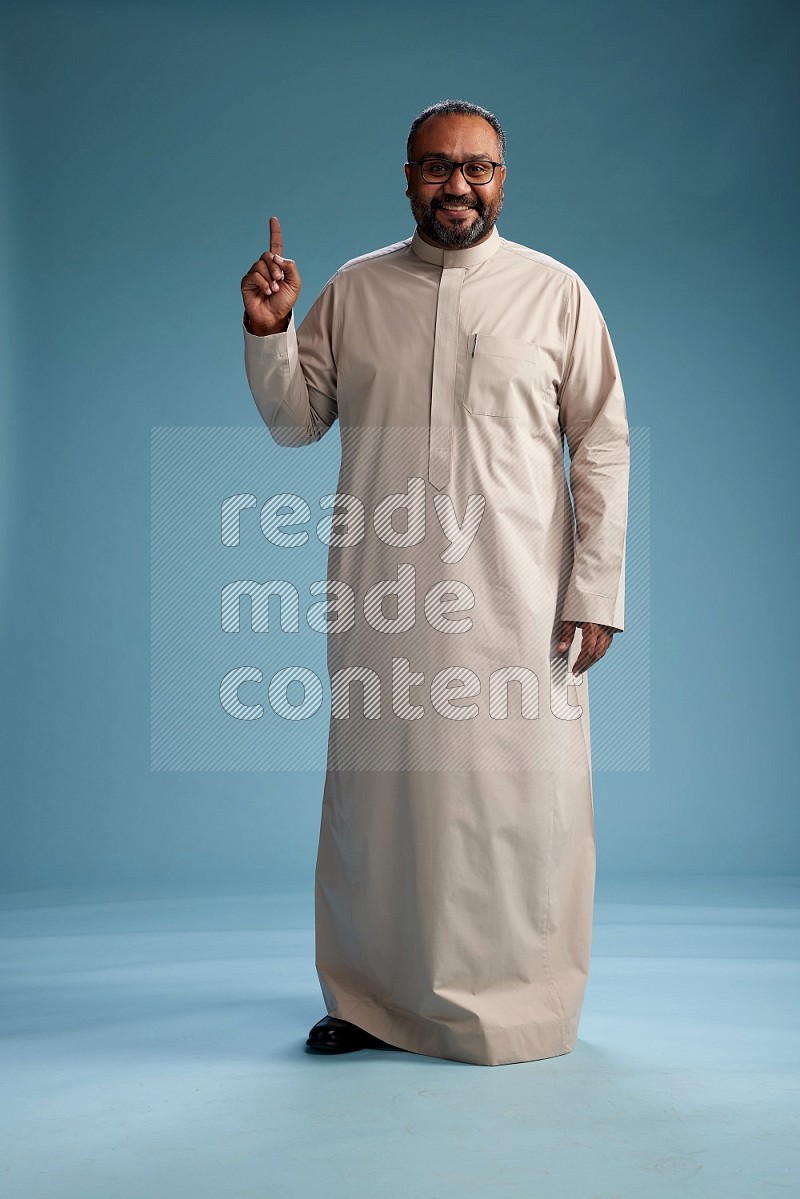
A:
(445, 108)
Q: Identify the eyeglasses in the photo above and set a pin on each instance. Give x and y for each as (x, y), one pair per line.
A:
(438, 170)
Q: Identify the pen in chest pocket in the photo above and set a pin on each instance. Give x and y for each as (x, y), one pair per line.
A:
(474, 343)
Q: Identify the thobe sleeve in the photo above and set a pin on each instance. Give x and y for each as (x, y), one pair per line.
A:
(593, 416)
(292, 375)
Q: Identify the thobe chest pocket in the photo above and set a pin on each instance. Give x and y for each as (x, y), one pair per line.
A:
(504, 377)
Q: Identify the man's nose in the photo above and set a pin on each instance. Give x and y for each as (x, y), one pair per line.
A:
(457, 184)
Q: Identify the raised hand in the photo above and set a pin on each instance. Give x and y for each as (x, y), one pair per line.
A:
(271, 287)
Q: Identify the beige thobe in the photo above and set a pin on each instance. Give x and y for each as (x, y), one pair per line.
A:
(456, 864)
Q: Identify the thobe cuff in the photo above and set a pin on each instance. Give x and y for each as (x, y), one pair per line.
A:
(294, 414)
(270, 360)
(271, 345)
(583, 607)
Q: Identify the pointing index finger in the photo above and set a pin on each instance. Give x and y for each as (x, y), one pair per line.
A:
(275, 236)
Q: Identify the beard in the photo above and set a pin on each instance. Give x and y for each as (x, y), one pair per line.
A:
(456, 235)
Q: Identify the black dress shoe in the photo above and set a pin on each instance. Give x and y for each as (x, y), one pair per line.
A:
(332, 1035)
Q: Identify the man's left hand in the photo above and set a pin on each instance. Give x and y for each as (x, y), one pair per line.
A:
(595, 640)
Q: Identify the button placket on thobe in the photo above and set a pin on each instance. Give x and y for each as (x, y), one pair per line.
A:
(445, 361)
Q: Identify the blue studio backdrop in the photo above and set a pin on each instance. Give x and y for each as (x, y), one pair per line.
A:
(144, 147)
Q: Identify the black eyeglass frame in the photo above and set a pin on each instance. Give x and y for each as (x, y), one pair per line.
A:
(420, 162)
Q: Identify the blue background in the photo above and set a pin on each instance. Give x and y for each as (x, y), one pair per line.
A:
(144, 148)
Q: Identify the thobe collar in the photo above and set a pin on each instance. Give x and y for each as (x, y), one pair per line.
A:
(470, 256)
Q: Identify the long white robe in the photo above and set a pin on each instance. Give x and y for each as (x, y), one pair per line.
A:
(456, 864)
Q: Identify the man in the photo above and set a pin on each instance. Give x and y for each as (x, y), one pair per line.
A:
(456, 863)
